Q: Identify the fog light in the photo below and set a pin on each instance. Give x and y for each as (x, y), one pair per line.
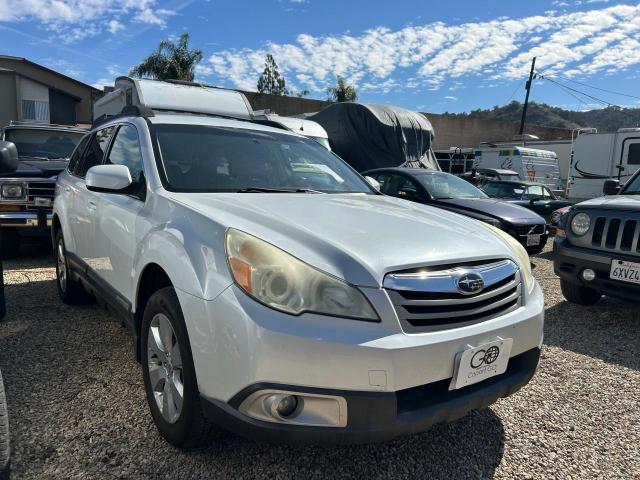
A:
(589, 275)
(281, 406)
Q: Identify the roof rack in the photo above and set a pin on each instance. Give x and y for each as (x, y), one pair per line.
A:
(150, 96)
(18, 123)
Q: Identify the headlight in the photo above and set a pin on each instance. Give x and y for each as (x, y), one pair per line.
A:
(285, 283)
(522, 257)
(12, 191)
(580, 224)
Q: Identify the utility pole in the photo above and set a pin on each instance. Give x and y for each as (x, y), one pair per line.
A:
(526, 98)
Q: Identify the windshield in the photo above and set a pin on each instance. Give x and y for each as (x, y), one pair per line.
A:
(504, 190)
(43, 144)
(198, 158)
(509, 176)
(443, 185)
(633, 188)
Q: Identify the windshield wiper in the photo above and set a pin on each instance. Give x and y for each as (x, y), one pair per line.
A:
(277, 190)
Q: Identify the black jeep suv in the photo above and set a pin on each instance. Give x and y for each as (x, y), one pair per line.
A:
(597, 249)
(26, 194)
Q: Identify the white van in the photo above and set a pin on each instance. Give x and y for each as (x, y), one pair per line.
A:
(531, 164)
(600, 156)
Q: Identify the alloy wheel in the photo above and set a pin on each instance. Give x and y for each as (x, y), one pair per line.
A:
(164, 362)
(62, 267)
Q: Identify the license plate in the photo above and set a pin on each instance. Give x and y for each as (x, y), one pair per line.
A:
(625, 271)
(533, 240)
(480, 363)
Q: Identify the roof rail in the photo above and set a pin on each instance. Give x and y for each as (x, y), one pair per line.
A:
(18, 123)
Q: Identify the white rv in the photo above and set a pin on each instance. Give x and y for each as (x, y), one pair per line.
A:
(600, 156)
(531, 164)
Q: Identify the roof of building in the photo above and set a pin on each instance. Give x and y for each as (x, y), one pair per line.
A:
(42, 67)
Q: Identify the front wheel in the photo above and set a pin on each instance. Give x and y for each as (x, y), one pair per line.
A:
(579, 294)
(169, 374)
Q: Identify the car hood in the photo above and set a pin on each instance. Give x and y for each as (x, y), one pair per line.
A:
(38, 169)
(613, 202)
(495, 208)
(358, 238)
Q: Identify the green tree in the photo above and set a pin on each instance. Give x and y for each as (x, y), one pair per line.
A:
(170, 61)
(342, 92)
(271, 81)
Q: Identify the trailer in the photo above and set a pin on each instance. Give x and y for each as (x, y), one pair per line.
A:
(601, 156)
(533, 165)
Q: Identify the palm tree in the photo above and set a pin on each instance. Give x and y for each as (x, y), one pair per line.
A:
(170, 61)
(342, 92)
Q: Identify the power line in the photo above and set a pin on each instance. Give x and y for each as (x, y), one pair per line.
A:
(598, 88)
(516, 90)
(596, 99)
(571, 93)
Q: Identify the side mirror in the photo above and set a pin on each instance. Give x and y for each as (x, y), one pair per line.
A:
(8, 157)
(611, 187)
(108, 178)
(373, 182)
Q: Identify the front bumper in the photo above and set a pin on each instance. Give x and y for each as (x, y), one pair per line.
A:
(378, 416)
(569, 261)
(238, 343)
(40, 219)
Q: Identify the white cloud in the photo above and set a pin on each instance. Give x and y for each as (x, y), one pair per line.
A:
(451, 98)
(73, 20)
(585, 42)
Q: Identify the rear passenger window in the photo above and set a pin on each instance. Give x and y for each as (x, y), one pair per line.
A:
(633, 157)
(94, 153)
(77, 153)
(126, 151)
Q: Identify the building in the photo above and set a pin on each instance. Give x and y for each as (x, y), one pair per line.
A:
(31, 92)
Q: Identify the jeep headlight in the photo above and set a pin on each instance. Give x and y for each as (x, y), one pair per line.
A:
(281, 281)
(580, 224)
(522, 257)
(12, 191)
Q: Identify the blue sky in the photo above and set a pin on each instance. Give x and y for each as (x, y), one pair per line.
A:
(432, 56)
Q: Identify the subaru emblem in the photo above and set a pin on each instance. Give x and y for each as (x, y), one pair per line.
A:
(470, 283)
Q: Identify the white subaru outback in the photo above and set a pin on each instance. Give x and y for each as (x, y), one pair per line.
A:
(271, 291)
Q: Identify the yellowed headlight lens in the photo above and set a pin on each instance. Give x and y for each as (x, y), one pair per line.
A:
(521, 256)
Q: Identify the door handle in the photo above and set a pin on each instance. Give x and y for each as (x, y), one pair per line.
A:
(92, 206)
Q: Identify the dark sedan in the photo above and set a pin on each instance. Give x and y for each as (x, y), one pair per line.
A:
(449, 192)
(533, 196)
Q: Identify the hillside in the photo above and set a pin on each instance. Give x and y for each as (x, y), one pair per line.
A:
(605, 120)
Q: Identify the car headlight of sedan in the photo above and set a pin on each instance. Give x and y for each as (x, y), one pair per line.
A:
(12, 191)
(522, 258)
(281, 281)
(580, 224)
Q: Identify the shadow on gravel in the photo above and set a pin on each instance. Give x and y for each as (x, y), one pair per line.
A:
(471, 447)
(608, 330)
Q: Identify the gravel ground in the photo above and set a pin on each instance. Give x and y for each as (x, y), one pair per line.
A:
(78, 410)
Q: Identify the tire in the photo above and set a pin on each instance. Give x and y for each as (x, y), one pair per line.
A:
(9, 243)
(5, 451)
(579, 294)
(182, 426)
(70, 290)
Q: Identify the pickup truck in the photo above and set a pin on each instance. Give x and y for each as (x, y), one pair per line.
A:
(26, 194)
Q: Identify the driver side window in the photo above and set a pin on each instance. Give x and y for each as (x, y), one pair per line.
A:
(126, 151)
(533, 192)
(399, 186)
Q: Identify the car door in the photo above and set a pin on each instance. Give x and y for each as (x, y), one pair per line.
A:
(84, 203)
(534, 199)
(630, 159)
(66, 189)
(117, 214)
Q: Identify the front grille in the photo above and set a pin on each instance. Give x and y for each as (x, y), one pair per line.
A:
(524, 230)
(619, 234)
(40, 190)
(430, 300)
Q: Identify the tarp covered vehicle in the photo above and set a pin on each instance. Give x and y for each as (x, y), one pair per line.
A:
(378, 136)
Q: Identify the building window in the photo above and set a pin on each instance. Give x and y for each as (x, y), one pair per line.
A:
(35, 110)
